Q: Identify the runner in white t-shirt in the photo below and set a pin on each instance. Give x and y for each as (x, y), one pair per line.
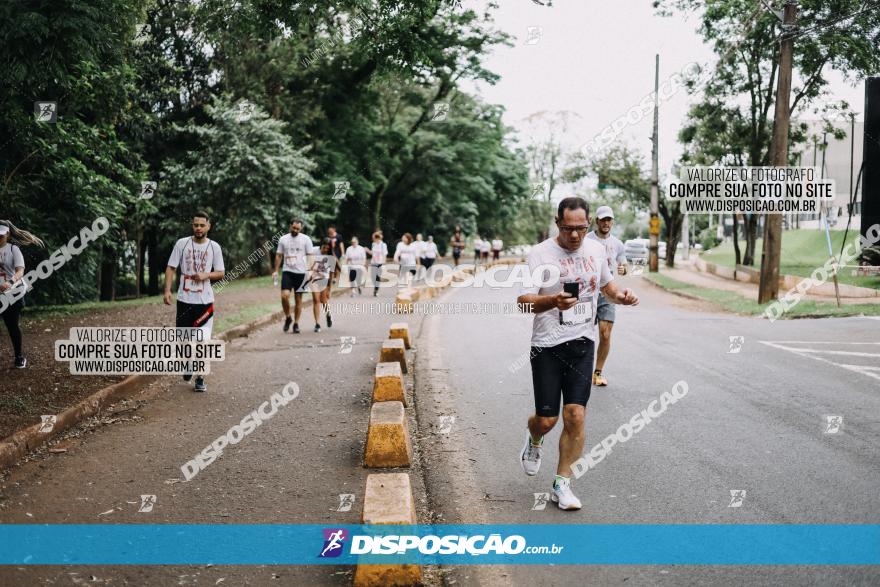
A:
(378, 255)
(356, 260)
(419, 246)
(320, 281)
(431, 253)
(563, 335)
(485, 246)
(12, 286)
(478, 249)
(405, 255)
(293, 251)
(497, 245)
(201, 261)
(615, 253)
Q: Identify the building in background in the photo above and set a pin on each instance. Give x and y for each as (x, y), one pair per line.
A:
(843, 159)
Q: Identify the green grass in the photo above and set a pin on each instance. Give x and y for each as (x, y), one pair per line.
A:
(803, 251)
(227, 321)
(733, 302)
(40, 313)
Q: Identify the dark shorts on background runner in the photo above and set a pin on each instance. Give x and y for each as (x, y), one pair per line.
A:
(292, 281)
(604, 310)
(426, 263)
(562, 372)
(194, 315)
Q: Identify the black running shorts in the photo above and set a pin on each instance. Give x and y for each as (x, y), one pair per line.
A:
(562, 372)
(292, 281)
(194, 315)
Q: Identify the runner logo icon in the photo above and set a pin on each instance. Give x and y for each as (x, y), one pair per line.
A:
(334, 539)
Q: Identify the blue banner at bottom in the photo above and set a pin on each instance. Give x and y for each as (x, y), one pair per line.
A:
(502, 544)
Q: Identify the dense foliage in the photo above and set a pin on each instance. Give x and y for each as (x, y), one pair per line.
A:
(253, 110)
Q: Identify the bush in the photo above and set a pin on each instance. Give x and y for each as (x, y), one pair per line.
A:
(708, 239)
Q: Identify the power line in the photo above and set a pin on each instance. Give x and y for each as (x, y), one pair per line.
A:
(832, 22)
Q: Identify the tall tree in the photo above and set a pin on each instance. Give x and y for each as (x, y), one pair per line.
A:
(624, 168)
(839, 35)
(58, 177)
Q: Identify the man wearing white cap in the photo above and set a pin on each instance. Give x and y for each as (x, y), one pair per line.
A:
(615, 253)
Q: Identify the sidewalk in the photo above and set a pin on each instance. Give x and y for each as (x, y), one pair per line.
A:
(687, 273)
(291, 469)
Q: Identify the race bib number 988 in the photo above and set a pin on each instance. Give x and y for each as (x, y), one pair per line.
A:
(581, 313)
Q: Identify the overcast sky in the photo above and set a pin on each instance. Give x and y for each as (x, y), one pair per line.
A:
(596, 58)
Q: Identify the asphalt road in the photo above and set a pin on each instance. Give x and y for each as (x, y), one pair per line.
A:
(754, 419)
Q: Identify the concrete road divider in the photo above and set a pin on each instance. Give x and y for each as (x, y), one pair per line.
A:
(393, 350)
(388, 499)
(388, 443)
(400, 330)
(404, 303)
(388, 383)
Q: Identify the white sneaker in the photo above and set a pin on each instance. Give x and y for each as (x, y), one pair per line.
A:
(530, 456)
(562, 495)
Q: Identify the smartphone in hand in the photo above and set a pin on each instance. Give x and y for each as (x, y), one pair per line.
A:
(573, 289)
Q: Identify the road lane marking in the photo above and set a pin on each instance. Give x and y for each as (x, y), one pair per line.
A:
(864, 370)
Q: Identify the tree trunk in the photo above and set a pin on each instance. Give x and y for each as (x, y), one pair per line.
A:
(154, 264)
(736, 250)
(377, 209)
(107, 291)
(673, 222)
(751, 225)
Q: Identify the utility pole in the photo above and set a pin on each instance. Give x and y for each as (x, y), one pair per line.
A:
(654, 225)
(772, 247)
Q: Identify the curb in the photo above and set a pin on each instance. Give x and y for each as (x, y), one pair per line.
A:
(388, 497)
(680, 294)
(19, 444)
(726, 311)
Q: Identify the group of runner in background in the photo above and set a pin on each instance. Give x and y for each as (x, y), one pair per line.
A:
(301, 265)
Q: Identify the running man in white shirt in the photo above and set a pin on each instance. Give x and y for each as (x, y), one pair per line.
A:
(405, 255)
(378, 254)
(356, 260)
(293, 250)
(615, 253)
(201, 261)
(563, 335)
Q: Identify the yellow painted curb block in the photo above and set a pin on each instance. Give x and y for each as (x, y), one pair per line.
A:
(393, 351)
(400, 330)
(388, 499)
(388, 383)
(388, 443)
(404, 303)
